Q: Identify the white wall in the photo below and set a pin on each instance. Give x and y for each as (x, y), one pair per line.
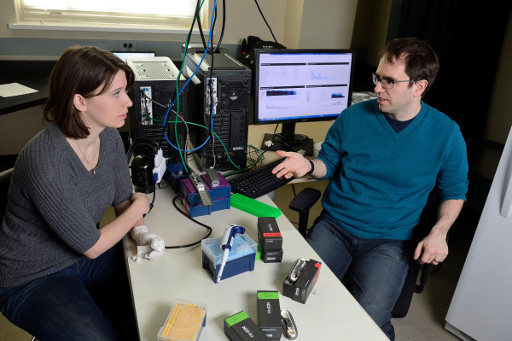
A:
(320, 23)
(243, 19)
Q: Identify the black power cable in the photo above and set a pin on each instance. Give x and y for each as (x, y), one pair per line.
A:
(213, 23)
(208, 228)
(265, 20)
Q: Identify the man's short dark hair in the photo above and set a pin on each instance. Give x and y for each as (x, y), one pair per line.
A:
(420, 59)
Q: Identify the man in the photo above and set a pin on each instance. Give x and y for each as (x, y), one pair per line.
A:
(383, 157)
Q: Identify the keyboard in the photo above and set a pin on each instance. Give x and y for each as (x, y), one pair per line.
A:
(259, 181)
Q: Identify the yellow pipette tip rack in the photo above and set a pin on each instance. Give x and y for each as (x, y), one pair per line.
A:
(184, 323)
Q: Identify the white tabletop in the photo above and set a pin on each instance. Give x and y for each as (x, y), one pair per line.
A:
(330, 312)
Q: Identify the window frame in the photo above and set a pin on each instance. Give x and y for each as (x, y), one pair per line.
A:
(126, 23)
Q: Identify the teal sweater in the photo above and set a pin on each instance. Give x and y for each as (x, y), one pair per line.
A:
(380, 179)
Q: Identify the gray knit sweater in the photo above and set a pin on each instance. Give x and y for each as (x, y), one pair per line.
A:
(55, 204)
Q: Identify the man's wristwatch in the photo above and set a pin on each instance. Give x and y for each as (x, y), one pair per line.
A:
(312, 167)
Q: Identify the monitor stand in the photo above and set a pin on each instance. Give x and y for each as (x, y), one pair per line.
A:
(288, 141)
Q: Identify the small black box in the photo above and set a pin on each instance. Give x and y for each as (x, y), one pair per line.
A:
(269, 314)
(240, 327)
(272, 256)
(269, 236)
(301, 289)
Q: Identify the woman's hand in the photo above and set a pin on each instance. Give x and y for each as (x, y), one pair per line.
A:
(153, 244)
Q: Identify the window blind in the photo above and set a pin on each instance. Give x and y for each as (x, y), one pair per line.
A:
(147, 13)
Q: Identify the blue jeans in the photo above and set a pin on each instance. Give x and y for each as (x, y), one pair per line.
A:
(373, 270)
(89, 300)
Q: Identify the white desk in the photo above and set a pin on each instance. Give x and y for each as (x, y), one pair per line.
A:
(330, 312)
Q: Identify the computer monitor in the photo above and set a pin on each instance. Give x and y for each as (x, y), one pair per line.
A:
(293, 86)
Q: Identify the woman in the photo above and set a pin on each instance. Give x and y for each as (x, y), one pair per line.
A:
(53, 254)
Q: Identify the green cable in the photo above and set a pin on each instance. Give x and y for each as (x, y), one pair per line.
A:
(214, 133)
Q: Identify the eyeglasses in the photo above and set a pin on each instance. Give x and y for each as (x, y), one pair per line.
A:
(386, 83)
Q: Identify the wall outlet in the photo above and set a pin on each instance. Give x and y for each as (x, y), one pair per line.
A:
(125, 45)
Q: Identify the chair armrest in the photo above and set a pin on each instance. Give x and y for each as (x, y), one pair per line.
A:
(425, 273)
(5, 181)
(302, 203)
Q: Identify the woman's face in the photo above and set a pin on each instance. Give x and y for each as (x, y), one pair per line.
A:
(109, 109)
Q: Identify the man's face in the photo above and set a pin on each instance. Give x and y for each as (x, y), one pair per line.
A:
(403, 100)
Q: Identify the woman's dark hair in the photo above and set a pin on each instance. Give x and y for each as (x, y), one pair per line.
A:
(420, 59)
(80, 70)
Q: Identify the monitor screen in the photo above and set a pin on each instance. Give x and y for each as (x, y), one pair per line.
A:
(301, 85)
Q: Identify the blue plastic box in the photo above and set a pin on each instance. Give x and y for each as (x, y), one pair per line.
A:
(174, 174)
(200, 209)
(241, 257)
(192, 202)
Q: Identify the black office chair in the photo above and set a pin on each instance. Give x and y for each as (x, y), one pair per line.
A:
(303, 202)
(5, 180)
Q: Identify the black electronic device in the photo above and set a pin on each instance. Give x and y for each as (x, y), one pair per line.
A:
(306, 274)
(153, 93)
(142, 174)
(293, 85)
(199, 48)
(259, 181)
(229, 97)
(253, 43)
(143, 151)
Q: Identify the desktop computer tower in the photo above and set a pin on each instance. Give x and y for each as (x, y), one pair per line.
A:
(153, 93)
(230, 94)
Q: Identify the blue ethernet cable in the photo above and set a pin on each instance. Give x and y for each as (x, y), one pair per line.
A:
(193, 74)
